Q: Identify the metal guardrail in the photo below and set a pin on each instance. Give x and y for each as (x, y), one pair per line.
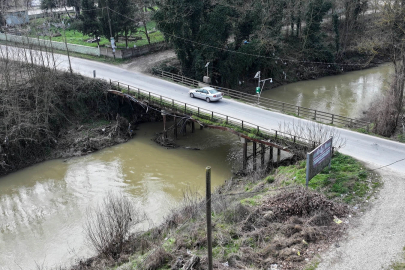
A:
(192, 110)
(287, 108)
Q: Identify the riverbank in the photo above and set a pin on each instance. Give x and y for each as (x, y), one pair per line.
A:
(265, 220)
(50, 114)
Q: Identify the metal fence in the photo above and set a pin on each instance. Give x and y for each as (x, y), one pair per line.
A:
(271, 135)
(287, 108)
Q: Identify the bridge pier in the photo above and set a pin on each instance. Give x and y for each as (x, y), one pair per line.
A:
(270, 163)
(278, 155)
(262, 153)
(244, 157)
(175, 128)
(254, 156)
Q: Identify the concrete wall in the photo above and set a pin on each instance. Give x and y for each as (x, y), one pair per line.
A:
(47, 43)
(120, 54)
(16, 17)
(134, 52)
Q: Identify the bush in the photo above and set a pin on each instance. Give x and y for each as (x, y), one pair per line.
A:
(108, 226)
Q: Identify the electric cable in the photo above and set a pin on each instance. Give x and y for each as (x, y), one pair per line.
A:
(247, 54)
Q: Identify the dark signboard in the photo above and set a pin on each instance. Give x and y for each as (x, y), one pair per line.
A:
(318, 159)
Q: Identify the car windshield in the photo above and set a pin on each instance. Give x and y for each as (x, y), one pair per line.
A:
(213, 91)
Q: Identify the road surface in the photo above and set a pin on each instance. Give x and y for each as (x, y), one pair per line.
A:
(374, 150)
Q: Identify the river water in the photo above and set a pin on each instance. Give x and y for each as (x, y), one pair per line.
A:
(43, 207)
(348, 94)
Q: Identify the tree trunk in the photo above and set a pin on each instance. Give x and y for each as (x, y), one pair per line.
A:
(146, 31)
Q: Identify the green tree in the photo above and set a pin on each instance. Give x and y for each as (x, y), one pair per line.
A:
(313, 39)
(90, 23)
(76, 4)
(48, 4)
(120, 15)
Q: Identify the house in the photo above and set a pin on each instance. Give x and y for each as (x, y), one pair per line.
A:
(16, 17)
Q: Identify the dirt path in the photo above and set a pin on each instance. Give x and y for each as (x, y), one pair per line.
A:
(145, 62)
(378, 236)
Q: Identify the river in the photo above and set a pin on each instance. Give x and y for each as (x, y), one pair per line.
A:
(42, 208)
(348, 94)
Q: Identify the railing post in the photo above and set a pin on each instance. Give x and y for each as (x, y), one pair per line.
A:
(198, 111)
(258, 129)
(298, 110)
(226, 120)
(139, 94)
(212, 115)
(315, 116)
(185, 108)
(242, 125)
(119, 87)
(295, 138)
(110, 84)
(283, 107)
(332, 118)
(276, 134)
(149, 97)
(128, 89)
(161, 101)
(173, 104)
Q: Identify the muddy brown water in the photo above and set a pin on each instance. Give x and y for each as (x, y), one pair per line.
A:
(348, 94)
(42, 208)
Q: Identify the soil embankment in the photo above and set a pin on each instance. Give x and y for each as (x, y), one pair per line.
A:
(48, 114)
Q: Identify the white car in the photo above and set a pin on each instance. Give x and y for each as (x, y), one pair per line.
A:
(207, 93)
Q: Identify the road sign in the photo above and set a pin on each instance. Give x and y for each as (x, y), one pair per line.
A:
(318, 159)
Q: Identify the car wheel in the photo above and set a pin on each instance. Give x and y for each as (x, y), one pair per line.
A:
(208, 100)
(191, 95)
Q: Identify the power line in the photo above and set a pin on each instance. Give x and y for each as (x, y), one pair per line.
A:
(248, 54)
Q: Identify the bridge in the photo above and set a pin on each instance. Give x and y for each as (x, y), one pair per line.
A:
(267, 139)
(376, 151)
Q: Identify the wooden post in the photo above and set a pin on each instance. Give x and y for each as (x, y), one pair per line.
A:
(128, 89)
(332, 118)
(315, 116)
(226, 120)
(244, 161)
(192, 127)
(278, 155)
(254, 155)
(271, 157)
(175, 128)
(208, 214)
(262, 152)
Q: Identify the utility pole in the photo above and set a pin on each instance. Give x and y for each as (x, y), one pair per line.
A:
(208, 206)
(258, 88)
(109, 23)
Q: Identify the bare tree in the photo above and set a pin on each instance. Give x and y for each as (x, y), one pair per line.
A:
(108, 226)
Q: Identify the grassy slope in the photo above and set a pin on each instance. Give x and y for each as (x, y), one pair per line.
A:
(235, 240)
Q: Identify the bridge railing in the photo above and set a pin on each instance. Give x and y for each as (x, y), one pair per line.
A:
(287, 108)
(237, 124)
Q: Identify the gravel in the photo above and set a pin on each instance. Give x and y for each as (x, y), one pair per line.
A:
(377, 237)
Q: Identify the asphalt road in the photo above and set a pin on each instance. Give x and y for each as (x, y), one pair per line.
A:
(373, 150)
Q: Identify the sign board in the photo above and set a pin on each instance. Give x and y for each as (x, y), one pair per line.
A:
(257, 90)
(318, 159)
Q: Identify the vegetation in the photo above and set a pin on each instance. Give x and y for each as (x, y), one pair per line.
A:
(241, 37)
(260, 220)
